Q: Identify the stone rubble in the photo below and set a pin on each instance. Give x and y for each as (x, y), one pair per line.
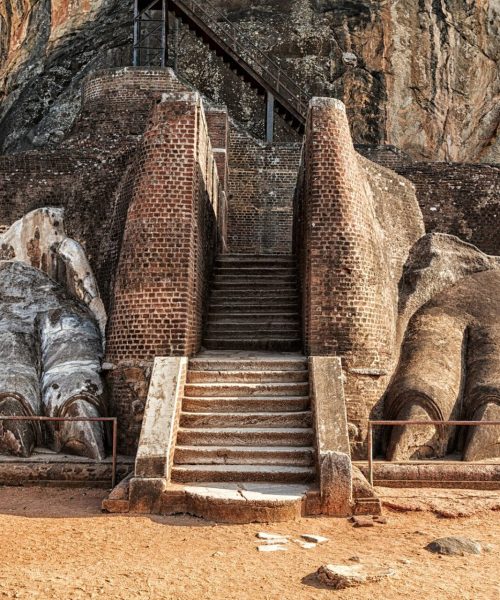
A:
(271, 548)
(340, 577)
(316, 539)
(454, 546)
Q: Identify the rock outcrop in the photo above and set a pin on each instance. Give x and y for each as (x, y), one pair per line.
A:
(422, 75)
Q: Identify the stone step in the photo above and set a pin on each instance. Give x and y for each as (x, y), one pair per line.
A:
(249, 307)
(238, 296)
(247, 404)
(217, 390)
(268, 344)
(229, 316)
(268, 473)
(227, 376)
(245, 436)
(217, 420)
(246, 275)
(248, 330)
(254, 320)
(256, 288)
(244, 455)
(265, 270)
(255, 260)
(217, 363)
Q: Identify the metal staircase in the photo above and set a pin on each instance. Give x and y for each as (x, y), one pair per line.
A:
(154, 21)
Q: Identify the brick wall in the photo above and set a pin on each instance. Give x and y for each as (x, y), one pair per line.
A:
(260, 194)
(355, 223)
(458, 199)
(85, 174)
(168, 247)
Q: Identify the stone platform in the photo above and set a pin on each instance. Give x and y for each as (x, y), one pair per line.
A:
(44, 467)
(449, 473)
(227, 502)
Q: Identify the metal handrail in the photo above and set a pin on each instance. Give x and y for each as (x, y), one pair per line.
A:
(238, 39)
(416, 422)
(113, 420)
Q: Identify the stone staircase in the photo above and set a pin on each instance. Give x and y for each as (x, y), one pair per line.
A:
(254, 304)
(245, 420)
(245, 413)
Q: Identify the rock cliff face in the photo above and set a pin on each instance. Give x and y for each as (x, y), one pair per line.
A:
(422, 75)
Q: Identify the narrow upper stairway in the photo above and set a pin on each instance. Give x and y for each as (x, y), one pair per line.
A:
(246, 413)
(254, 304)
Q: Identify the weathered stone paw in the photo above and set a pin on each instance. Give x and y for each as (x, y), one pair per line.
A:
(17, 438)
(81, 438)
(449, 370)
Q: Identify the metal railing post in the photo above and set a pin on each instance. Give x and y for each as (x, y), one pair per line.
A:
(370, 453)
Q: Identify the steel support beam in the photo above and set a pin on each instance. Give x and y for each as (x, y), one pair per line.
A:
(269, 117)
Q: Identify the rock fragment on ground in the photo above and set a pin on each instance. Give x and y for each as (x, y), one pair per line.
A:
(315, 539)
(263, 535)
(362, 521)
(271, 548)
(305, 545)
(340, 577)
(454, 546)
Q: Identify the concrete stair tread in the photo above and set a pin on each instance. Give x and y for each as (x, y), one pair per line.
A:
(224, 258)
(263, 325)
(227, 376)
(257, 414)
(249, 449)
(252, 455)
(246, 389)
(242, 398)
(283, 345)
(247, 430)
(232, 317)
(267, 473)
(244, 491)
(247, 404)
(248, 365)
(246, 468)
(245, 419)
(260, 338)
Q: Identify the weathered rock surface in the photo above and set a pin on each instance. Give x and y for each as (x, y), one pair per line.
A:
(454, 546)
(340, 577)
(420, 75)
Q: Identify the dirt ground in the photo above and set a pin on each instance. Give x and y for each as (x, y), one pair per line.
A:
(58, 544)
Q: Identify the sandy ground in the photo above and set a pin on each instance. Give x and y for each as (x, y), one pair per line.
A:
(57, 544)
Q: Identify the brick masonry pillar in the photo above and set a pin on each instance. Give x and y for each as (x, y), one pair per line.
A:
(348, 307)
(166, 254)
(151, 313)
